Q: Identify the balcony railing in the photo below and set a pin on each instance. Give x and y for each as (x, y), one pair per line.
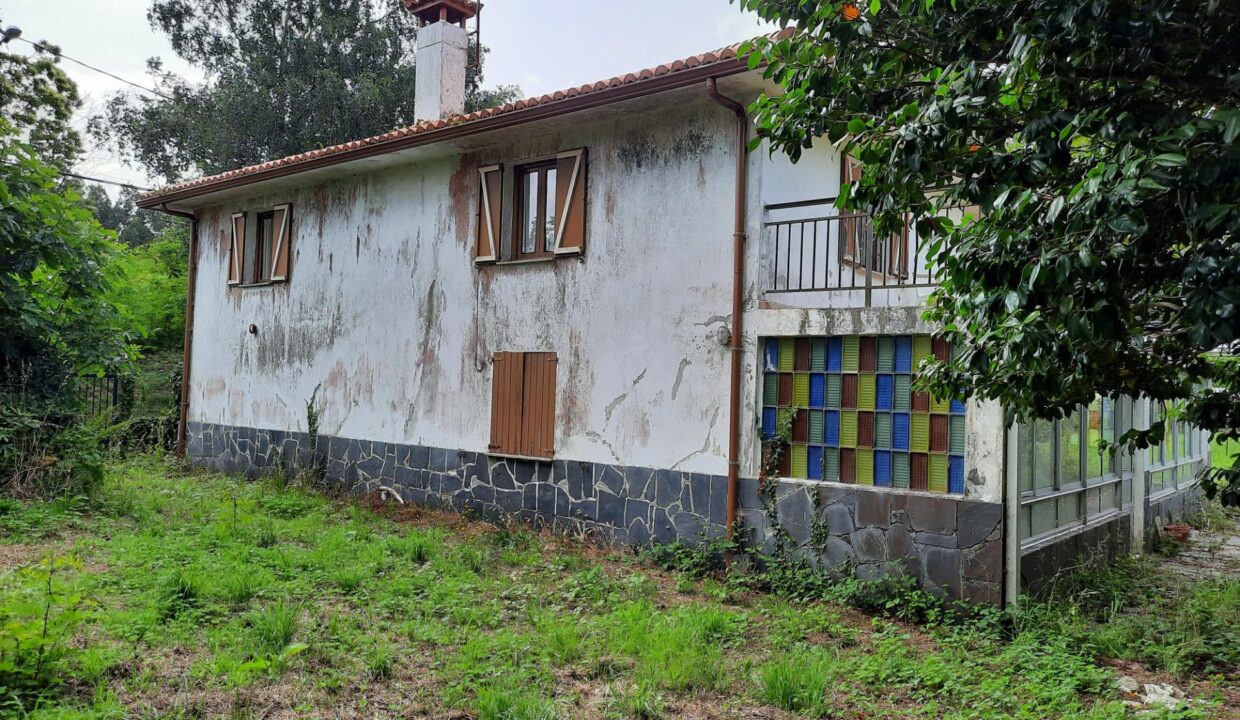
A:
(814, 247)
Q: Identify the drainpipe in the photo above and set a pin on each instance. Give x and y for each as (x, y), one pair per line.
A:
(738, 297)
(191, 281)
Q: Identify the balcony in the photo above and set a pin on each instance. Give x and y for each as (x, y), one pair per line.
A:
(816, 255)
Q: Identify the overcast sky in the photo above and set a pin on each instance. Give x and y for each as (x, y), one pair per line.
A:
(540, 45)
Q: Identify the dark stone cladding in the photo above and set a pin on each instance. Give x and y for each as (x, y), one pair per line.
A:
(953, 546)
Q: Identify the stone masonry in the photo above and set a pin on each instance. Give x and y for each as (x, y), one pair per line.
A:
(953, 546)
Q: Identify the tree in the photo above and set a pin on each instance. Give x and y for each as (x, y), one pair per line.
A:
(1098, 138)
(281, 78)
(37, 98)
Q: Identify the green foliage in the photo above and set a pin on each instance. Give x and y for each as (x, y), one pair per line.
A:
(1100, 142)
(281, 78)
(797, 682)
(39, 99)
(149, 288)
(39, 614)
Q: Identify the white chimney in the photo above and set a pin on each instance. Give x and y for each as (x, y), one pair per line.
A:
(443, 50)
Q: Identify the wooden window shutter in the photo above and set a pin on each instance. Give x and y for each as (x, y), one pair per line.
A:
(523, 404)
(570, 202)
(490, 206)
(538, 405)
(281, 226)
(236, 249)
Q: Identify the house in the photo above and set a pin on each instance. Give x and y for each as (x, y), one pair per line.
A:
(591, 309)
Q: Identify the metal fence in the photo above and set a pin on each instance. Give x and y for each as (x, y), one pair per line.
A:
(99, 396)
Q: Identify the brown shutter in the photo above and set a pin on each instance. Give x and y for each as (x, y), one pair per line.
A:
(570, 202)
(538, 405)
(506, 380)
(236, 249)
(490, 206)
(281, 226)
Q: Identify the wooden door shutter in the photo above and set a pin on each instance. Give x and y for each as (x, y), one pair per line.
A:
(281, 225)
(490, 206)
(538, 405)
(570, 202)
(523, 404)
(236, 249)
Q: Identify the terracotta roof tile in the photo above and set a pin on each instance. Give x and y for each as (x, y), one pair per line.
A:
(723, 55)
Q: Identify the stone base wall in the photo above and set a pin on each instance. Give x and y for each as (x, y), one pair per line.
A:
(1105, 541)
(1172, 508)
(954, 546)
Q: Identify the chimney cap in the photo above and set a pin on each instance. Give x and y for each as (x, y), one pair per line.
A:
(432, 11)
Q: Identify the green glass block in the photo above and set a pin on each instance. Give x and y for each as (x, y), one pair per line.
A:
(899, 469)
(919, 432)
(818, 355)
(787, 354)
(833, 391)
(865, 391)
(886, 353)
(815, 427)
(937, 474)
(939, 406)
(770, 389)
(955, 440)
(831, 464)
(902, 392)
(800, 390)
(852, 353)
(882, 430)
(865, 466)
(800, 468)
(785, 418)
(848, 429)
(922, 348)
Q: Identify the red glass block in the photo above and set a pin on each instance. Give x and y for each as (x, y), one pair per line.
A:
(785, 462)
(865, 429)
(800, 426)
(801, 362)
(848, 391)
(921, 400)
(938, 433)
(942, 350)
(919, 471)
(785, 389)
(848, 465)
(868, 361)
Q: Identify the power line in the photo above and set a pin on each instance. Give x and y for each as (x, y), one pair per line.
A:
(57, 53)
(101, 180)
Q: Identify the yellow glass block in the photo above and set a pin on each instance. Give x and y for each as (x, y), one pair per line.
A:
(919, 432)
(848, 429)
(865, 391)
(937, 475)
(786, 416)
(922, 348)
(787, 354)
(800, 466)
(940, 406)
(800, 390)
(852, 353)
(865, 466)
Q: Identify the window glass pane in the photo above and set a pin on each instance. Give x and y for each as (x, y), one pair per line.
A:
(1095, 457)
(1156, 451)
(529, 212)
(1024, 460)
(1026, 515)
(1043, 517)
(1069, 509)
(549, 212)
(1110, 433)
(1070, 450)
(1093, 501)
(263, 260)
(1044, 454)
(1181, 440)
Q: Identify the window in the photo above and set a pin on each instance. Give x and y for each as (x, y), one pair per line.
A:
(1171, 460)
(523, 404)
(259, 247)
(859, 246)
(542, 205)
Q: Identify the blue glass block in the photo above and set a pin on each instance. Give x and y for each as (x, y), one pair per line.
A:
(883, 392)
(957, 407)
(835, 354)
(768, 423)
(772, 354)
(882, 468)
(817, 390)
(955, 474)
(899, 431)
(833, 427)
(814, 460)
(904, 353)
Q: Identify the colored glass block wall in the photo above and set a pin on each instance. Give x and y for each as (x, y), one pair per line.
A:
(853, 417)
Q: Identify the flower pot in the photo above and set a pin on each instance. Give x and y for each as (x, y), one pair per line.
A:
(1178, 532)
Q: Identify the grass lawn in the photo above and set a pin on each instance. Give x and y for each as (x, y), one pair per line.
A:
(197, 595)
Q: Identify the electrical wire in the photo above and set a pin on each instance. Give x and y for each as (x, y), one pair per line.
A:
(49, 49)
